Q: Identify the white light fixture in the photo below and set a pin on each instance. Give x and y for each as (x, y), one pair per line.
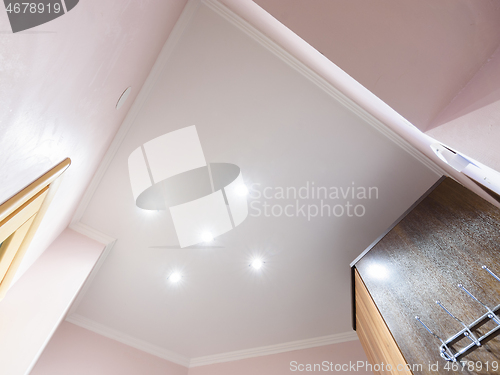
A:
(200, 193)
(175, 277)
(257, 264)
(452, 158)
(207, 237)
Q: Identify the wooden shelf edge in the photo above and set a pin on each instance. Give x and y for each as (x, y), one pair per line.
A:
(11, 204)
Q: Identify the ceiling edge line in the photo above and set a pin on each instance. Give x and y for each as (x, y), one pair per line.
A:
(274, 349)
(168, 355)
(184, 20)
(325, 84)
(136, 343)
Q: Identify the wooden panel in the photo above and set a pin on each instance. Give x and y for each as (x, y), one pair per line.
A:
(13, 203)
(375, 337)
(9, 247)
(444, 241)
(21, 215)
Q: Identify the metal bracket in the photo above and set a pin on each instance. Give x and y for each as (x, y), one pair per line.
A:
(446, 350)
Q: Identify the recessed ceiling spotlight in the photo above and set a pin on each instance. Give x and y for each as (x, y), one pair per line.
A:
(257, 264)
(175, 277)
(123, 97)
(207, 237)
(242, 190)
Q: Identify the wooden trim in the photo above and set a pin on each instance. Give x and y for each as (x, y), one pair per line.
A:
(374, 335)
(13, 203)
(10, 224)
(11, 245)
(21, 216)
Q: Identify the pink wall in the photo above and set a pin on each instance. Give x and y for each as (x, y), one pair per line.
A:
(35, 305)
(284, 363)
(471, 123)
(436, 62)
(59, 83)
(77, 351)
(306, 54)
(414, 55)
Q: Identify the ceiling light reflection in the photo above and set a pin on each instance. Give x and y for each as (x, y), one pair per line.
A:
(378, 271)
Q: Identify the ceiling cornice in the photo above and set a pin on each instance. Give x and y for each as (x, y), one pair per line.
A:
(306, 69)
(274, 349)
(116, 335)
(318, 69)
(106, 331)
(158, 351)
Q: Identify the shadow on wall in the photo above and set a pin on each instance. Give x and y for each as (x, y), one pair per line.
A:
(482, 90)
(471, 123)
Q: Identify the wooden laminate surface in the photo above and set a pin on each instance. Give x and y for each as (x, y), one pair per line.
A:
(444, 241)
(376, 339)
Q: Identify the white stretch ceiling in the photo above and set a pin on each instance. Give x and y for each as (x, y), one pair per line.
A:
(253, 109)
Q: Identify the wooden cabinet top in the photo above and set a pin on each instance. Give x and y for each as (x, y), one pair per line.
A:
(443, 241)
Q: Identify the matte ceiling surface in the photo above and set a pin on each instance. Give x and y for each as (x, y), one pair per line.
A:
(254, 110)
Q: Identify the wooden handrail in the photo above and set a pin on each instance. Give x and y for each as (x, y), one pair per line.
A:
(11, 204)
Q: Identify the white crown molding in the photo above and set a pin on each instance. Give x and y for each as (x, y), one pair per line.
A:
(222, 10)
(321, 82)
(167, 49)
(116, 335)
(160, 352)
(92, 233)
(274, 349)
(103, 330)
